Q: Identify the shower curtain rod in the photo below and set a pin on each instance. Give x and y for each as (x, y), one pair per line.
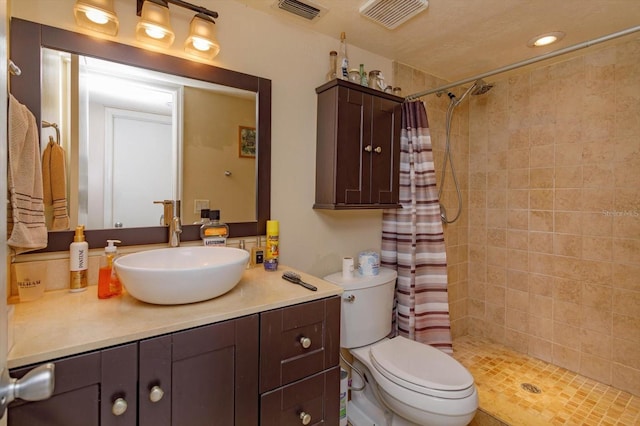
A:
(526, 62)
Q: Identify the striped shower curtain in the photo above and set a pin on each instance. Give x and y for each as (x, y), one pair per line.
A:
(413, 239)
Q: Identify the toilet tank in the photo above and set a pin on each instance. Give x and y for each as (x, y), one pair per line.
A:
(366, 308)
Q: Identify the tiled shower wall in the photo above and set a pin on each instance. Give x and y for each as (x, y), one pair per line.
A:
(553, 208)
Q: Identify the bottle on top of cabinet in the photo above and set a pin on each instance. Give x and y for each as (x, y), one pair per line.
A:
(343, 58)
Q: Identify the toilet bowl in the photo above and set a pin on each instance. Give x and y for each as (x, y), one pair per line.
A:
(405, 383)
(418, 382)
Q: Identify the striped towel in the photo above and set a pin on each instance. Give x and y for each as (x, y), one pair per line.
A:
(25, 221)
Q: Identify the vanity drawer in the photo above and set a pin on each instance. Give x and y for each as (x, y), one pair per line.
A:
(317, 396)
(298, 341)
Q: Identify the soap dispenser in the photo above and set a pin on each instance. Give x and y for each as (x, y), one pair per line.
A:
(78, 261)
(108, 283)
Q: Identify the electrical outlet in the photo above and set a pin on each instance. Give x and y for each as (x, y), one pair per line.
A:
(200, 205)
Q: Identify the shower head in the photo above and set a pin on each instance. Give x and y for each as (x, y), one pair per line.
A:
(480, 87)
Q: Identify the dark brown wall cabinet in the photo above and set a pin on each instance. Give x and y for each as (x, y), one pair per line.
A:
(277, 368)
(358, 147)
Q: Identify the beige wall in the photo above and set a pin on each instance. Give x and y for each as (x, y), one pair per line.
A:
(210, 147)
(553, 212)
(296, 61)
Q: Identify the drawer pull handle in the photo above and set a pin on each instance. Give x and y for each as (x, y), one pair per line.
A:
(305, 417)
(155, 394)
(305, 342)
(378, 150)
(368, 148)
(119, 407)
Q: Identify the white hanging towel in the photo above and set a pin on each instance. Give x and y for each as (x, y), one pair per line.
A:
(26, 226)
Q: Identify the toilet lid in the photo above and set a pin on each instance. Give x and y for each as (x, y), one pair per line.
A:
(421, 368)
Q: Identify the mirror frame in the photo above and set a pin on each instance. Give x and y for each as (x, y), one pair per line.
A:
(26, 40)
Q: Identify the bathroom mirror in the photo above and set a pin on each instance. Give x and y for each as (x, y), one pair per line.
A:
(27, 41)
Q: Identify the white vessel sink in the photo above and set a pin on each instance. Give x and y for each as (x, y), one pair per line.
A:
(173, 276)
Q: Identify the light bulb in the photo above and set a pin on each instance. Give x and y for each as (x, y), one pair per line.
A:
(543, 41)
(201, 44)
(97, 16)
(154, 32)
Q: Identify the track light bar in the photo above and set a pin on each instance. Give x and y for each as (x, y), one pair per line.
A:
(184, 4)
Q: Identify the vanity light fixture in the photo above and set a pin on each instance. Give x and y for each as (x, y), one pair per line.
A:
(545, 39)
(96, 15)
(154, 27)
(202, 40)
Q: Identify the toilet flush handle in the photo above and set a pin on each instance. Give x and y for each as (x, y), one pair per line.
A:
(350, 298)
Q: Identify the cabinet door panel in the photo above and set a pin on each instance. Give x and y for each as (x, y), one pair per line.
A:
(214, 375)
(386, 120)
(155, 370)
(203, 389)
(353, 111)
(86, 386)
(317, 396)
(76, 408)
(119, 379)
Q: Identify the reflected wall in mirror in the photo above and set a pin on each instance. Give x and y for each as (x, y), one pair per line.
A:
(147, 136)
(203, 147)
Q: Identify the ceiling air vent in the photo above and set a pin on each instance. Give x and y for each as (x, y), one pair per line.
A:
(307, 10)
(392, 13)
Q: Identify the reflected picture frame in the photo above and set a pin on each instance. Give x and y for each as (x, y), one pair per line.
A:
(246, 142)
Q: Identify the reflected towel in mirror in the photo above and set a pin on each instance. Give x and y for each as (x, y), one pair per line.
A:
(54, 182)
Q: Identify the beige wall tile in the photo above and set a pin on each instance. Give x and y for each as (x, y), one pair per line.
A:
(597, 368)
(626, 378)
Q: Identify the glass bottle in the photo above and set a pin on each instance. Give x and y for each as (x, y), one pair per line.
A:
(363, 77)
(214, 233)
(343, 58)
(333, 63)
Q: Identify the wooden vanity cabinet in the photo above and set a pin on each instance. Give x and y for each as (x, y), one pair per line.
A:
(299, 356)
(201, 376)
(358, 147)
(267, 369)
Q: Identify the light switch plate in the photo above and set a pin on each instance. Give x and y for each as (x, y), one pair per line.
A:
(200, 205)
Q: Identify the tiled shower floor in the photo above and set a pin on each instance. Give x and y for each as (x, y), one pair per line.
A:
(566, 398)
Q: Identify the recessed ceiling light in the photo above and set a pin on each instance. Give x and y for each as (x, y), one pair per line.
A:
(545, 39)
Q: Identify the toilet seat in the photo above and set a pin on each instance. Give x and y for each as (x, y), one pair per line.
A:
(421, 368)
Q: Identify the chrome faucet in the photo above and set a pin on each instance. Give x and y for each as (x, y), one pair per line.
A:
(171, 218)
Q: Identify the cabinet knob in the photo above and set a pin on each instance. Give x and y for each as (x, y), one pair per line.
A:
(305, 417)
(305, 342)
(155, 394)
(119, 407)
(368, 148)
(378, 150)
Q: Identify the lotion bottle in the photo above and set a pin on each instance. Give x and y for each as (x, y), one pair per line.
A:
(78, 261)
(108, 283)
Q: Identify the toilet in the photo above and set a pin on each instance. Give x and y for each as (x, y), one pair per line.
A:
(407, 383)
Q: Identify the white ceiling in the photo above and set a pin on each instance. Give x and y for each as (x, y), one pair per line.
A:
(457, 39)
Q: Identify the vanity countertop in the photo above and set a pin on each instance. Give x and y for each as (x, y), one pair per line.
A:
(62, 323)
